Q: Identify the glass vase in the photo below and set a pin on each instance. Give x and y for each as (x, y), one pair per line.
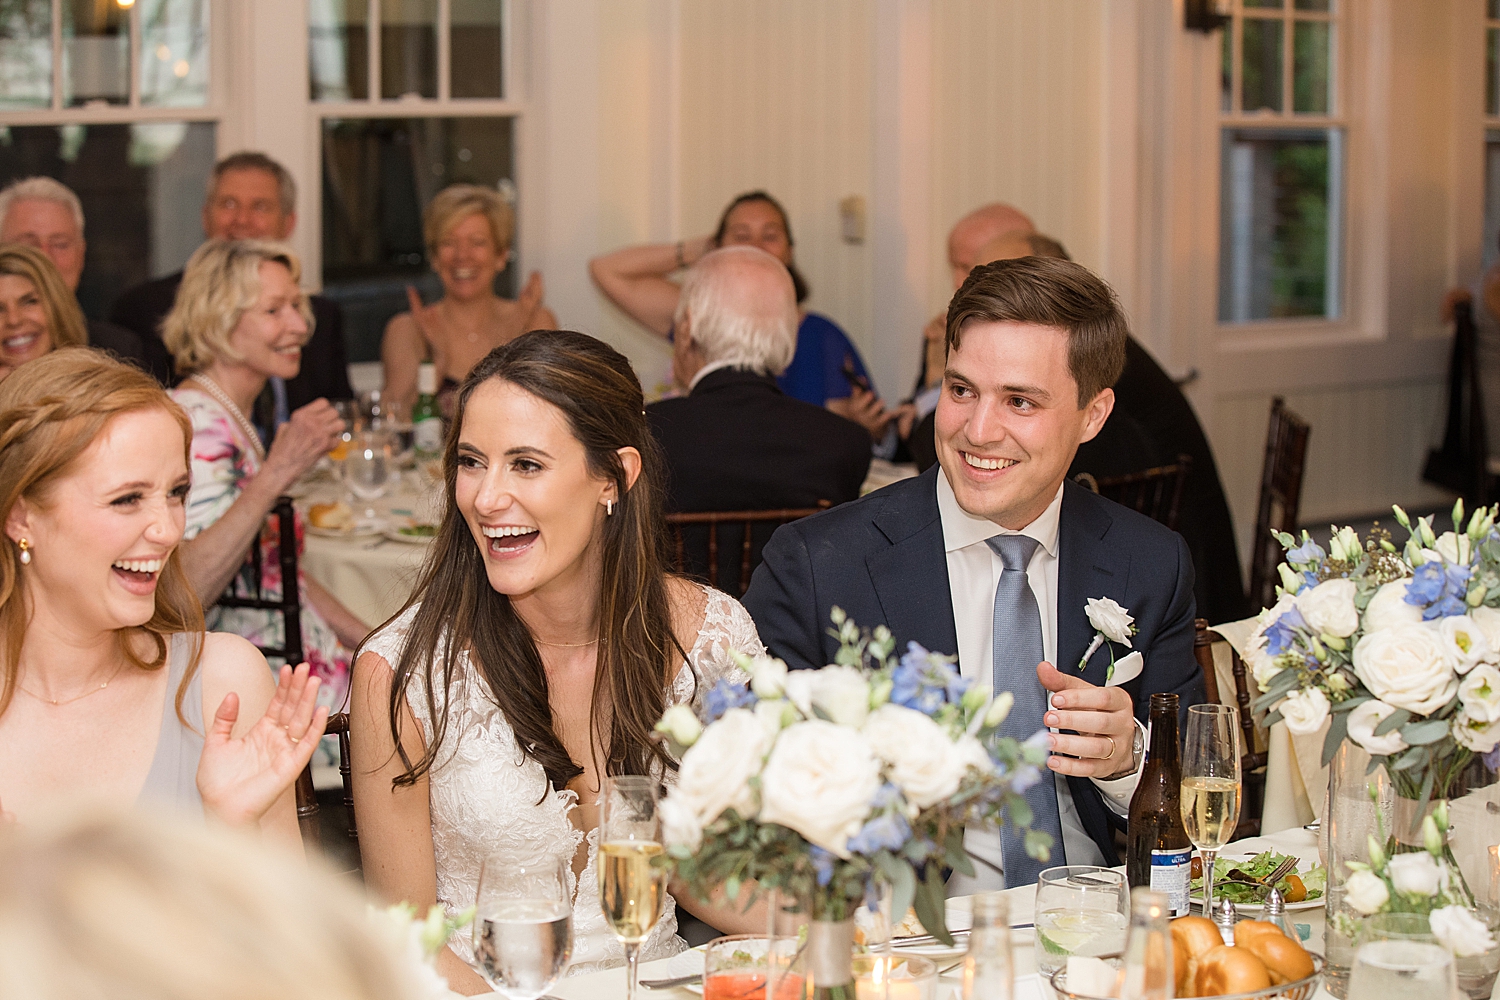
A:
(1357, 804)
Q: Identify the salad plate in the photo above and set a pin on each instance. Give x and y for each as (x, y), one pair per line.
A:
(1311, 879)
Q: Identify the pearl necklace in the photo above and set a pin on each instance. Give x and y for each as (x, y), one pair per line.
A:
(223, 400)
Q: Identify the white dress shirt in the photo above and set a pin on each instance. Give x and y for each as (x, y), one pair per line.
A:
(973, 575)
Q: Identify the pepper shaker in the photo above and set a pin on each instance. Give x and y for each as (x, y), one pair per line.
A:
(1225, 917)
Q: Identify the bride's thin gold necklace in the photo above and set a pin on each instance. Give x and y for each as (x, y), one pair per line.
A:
(564, 645)
(58, 702)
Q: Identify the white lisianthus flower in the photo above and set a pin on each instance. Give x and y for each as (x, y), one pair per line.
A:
(842, 693)
(1479, 693)
(1344, 545)
(680, 723)
(1405, 666)
(775, 716)
(716, 771)
(1416, 874)
(923, 760)
(1363, 719)
(1366, 892)
(679, 823)
(1453, 548)
(1464, 642)
(999, 709)
(1329, 607)
(1304, 711)
(1263, 667)
(819, 781)
(767, 676)
(1388, 608)
(1475, 734)
(1110, 619)
(1488, 620)
(1460, 931)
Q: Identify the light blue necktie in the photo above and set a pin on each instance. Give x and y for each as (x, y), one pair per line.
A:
(1017, 642)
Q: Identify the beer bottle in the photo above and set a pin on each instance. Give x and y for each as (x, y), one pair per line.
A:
(1158, 852)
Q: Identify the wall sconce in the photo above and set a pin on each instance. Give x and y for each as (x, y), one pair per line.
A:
(1206, 15)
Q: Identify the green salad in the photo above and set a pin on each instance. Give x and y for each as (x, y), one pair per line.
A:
(1295, 887)
(419, 531)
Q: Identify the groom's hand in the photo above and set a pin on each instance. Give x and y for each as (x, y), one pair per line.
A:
(1103, 718)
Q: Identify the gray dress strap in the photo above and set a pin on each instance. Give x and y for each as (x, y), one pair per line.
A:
(173, 779)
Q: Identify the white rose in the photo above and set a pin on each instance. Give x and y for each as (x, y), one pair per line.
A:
(925, 762)
(1488, 620)
(1415, 874)
(842, 693)
(1108, 617)
(767, 676)
(1329, 607)
(1464, 642)
(679, 823)
(1405, 666)
(1263, 667)
(1388, 608)
(1305, 711)
(1460, 931)
(1453, 547)
(1366, 892)
(775, 716)
(680, 723)
(1475, 734)
(716, 771)
(819, 781)
(1363, 719)
(1479, 693)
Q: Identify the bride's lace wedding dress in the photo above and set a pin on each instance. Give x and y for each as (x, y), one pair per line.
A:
(487, 796)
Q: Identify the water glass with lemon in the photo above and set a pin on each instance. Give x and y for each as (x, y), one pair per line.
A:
(1080, 910)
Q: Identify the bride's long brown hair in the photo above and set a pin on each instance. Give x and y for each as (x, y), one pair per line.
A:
(597, 390)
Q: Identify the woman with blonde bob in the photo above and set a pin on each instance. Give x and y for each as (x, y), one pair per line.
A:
(468, 229)
(133, 908)
(106, 675)
(240, 319)
(37, 312)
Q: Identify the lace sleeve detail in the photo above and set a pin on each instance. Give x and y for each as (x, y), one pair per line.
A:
(726, 626)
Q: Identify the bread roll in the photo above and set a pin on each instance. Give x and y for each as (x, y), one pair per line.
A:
(1192, 937)
(330, 515)
(1285, 960)
(1227, 969)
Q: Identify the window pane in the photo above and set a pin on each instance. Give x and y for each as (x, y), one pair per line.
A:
(475, 49)
(1494, 10)
(140, 185)
(1492, 72)
(174, 53)
(1311, 54)
(408, 48)
(25, 53)
(1261, 69)
(1491, 197)
(378, 176)
(338, 49)
(1313, 5)
(1278, 243)
(96, 53)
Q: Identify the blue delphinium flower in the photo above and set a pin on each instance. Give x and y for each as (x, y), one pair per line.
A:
(724, 696)
(1492, 759)
(822, 864)
(1282, 632)
(1439, 589)
(1308, 552)
(1426, 584)
(886, 831)
(925, 682)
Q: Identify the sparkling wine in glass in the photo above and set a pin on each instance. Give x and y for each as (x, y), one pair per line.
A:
(523, 925)
(1211, 785)
(631, 888)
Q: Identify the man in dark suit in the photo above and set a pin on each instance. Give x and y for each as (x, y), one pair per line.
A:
(736, 441)
(993, 555)
(252, 197)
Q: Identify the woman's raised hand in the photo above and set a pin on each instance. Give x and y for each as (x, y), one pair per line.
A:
(240, 778)
(312, 432)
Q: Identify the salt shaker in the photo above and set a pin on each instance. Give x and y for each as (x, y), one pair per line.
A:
(1225, 917)
(1275, 913)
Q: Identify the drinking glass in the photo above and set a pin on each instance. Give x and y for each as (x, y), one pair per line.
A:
(738, 967)
(631, 887)
(1080, 910)
(1211, 785)
(367, 465)
(1397, 958)
(523, 925)
(348, 414)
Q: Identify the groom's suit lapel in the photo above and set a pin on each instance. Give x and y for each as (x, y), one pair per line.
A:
(1087, 567)
(910, 576)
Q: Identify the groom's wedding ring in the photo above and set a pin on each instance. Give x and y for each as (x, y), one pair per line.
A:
(1111, 749)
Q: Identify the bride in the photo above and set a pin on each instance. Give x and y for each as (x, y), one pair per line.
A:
(543, 642)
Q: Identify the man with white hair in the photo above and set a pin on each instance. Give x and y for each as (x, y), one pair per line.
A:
(43, 213)
(736, 442)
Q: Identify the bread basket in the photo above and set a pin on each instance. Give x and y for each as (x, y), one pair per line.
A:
(1302, 989)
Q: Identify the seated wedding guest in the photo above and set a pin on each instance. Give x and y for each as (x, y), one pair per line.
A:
(543, 641)
(37, 314)
(994, 554)
(826, 367)
(137, 908)
(736, 441)
(252, 197)
(46, 214)
(109, 688)
(468, 229)
(241, 319)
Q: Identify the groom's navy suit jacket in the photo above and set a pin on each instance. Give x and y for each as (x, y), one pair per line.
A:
(882, 560)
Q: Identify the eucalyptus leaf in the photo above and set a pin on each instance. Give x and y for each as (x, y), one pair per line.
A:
(930, 906)
(1338, 731)
(1351, 703)
(903, 883)
(1424, 732)
(1395, 720)
(956, 856)
(1272, 718)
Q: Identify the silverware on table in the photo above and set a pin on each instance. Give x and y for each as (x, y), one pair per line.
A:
(667, 984)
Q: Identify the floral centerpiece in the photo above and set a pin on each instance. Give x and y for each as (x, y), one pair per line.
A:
(822, 783)
(418, 943)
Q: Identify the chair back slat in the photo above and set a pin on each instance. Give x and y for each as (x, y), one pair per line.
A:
(746, 520)
(1157, 492)
(289, 604)
(1280, 497)
(308, 810)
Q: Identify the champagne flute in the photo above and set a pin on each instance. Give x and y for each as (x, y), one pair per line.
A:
(631, 888)
(1211, 785)
(523, 925)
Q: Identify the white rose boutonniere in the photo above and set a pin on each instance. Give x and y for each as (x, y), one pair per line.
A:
(1110, 622)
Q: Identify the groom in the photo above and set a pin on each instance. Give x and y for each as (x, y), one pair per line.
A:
(993, 555)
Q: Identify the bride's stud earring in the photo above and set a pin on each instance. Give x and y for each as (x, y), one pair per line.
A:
(25, 547)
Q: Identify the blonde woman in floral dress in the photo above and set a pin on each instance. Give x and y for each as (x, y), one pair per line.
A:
(241, 318)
